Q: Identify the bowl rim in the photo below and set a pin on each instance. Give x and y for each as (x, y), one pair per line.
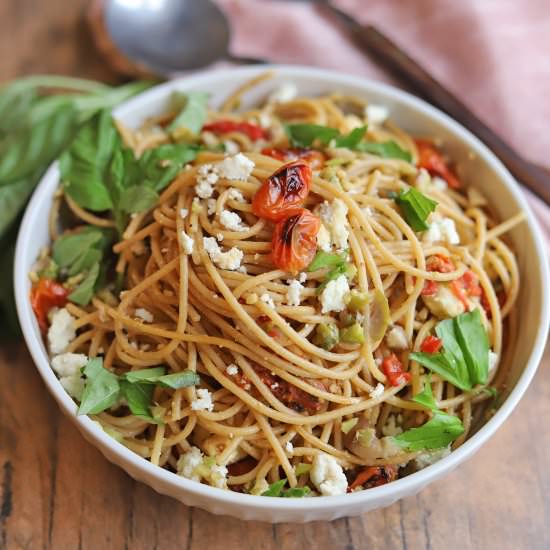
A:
(394, 490)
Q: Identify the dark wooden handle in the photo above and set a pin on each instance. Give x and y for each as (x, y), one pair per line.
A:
(393, 58)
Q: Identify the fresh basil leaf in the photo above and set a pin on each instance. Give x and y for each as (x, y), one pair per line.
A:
(101, 389)
(426, 397)
(12, 199)
(326, 259)
(473, 341)
(437, 433)
(415, 208)
(388, 149)
(296, 492)
(304, 135)
(86, 261)
(137, 199)
(83, 293)
(446, 366)
(144, 375)
(177, 380)
(68, 249)
(139, 398)
(351, 140)
(275, 489)
(193, 112)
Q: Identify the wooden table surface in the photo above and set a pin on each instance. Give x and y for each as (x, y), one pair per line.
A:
(58, 492)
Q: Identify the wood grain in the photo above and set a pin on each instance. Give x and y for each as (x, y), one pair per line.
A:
(57, 492)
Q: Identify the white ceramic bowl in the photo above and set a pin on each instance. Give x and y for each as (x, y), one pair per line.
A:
(481, 169)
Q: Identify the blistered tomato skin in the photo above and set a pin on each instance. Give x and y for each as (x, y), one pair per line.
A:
(314, 158)
(294, 243)
(285, 190)
(45, 295)
(432, 160)
(220, 127)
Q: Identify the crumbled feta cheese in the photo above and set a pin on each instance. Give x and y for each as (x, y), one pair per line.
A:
(302, 278)
(267, 299)
(187, 242)
(235, 194)
(231, 147)
(207, 177)
(238, 167)
(377, 391)
(427, 459)
(232, 369)
(61, 332)
(230, 260)
(284, 93)
(493, 361)
(242, 269)
(439, 183)
(423, 180)
(396, 338)
(219, 237)
(289, 447)
(334, 217)
(144, 315)
(211, 206)
(203, 402)
(441, 229)
(265, 120)
(67, 366)
(218, 476)
(444, 304)
(376, 114)
(332, 297)
(189, 462)
(183, 213)
(328, 476)
(323, 238)
(294, 292)
(232, 221)
(391, 428)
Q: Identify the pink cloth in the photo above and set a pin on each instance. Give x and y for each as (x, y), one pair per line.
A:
(495, 55)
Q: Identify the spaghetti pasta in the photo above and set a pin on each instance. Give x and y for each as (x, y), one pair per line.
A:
(309, 371)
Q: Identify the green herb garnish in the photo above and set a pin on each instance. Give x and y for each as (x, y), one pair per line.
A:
(387, 149)
(415, 208)
(192, 114)
(277, 490)
(102, 388)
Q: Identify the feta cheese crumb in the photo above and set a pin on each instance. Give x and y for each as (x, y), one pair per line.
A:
(302, 277)
(376, 114)
(284, 93)
(61, 332)
(294, 292)
(377, 391)
(441, 229)
(323, 238)
(396, 338)
(230, 260)
(231, 147)
(203, 402)
(493, 361)
(334, 217)
(207, 177)
(219, 237)
(289, 447)
(238, 167)
(328, 476)
(187, 242)
(211, 206)
(235, 194)
(332, 297)
(144, 315)
(232, 221)
(232, 369)
(67, 366)
(183, 213)
(267, 299)
(218, 476)
(189, 462)
(439, 183)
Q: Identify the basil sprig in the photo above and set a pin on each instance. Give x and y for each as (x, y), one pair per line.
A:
(415, 208)
(437, 433)
(103, 388)
(464, 359)
(277, 490)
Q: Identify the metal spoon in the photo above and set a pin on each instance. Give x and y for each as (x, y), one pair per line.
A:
(161, 37)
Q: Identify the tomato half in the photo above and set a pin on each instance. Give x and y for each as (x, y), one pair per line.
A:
(314, 158)
(374, 476)
(283, 191)
(45, 295)
(393, 369)
(431, 159)
(294, 243)
(253, 131)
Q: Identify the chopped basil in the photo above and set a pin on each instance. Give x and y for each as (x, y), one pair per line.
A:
(177, 380)
(415, 207)
(276, 490)
(144, 375)
(387, 149)
(426, 397)
(139, 397)
(83, 293)
(326, 259)
(351, 140)
(305, 135)
(464, 359)
(102, 388)
(192, 113)
(137, 199)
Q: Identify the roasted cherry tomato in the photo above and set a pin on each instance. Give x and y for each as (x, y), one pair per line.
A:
(45, 295)
(253, 131)
(393, 369)
(285, 190)
(294, 241)
(374, 476)
(314, 158)
(430, 158)
(431, 344)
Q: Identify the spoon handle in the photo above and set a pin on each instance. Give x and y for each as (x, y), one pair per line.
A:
(391, 57)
